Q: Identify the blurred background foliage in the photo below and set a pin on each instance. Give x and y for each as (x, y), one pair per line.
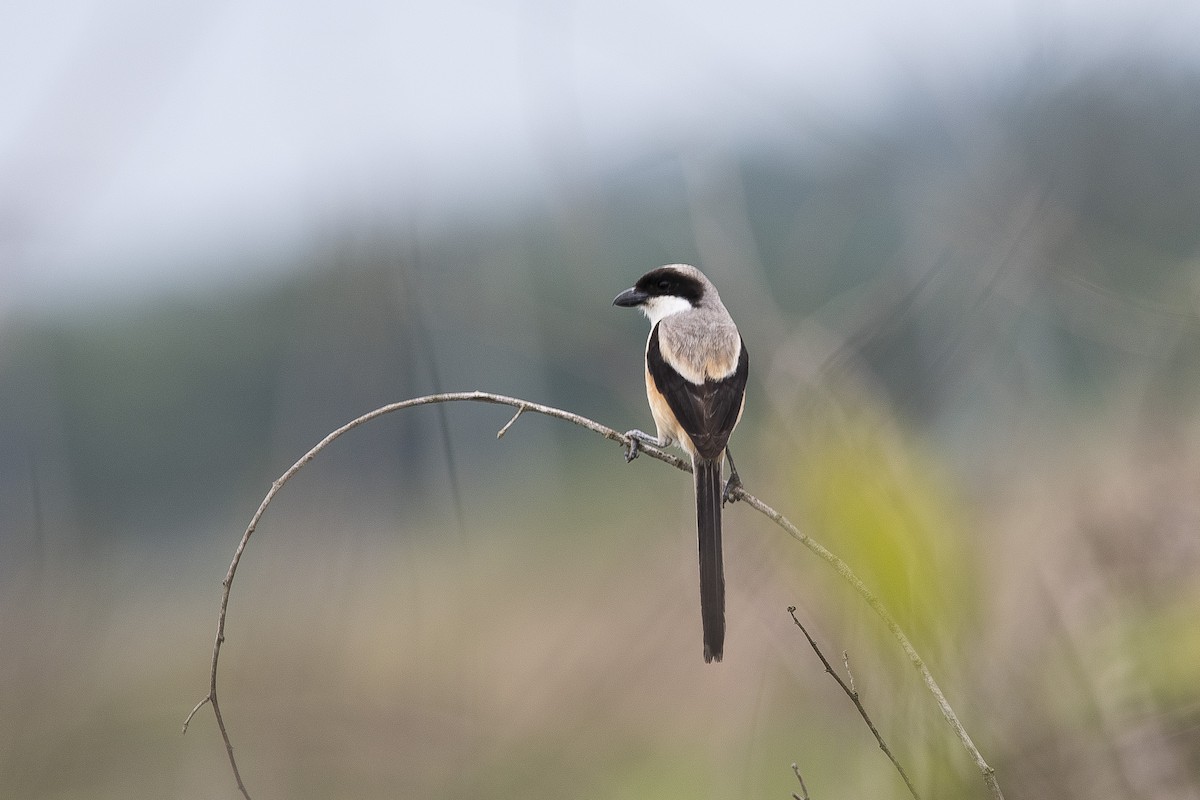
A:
(974, 343)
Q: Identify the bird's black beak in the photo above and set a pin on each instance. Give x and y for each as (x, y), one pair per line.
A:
(631, 298)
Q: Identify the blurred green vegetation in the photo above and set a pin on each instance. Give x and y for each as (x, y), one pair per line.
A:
(974, 350)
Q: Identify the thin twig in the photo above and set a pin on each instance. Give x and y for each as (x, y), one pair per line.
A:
(803, 789)
(853, 695)
(207, 698)
(616, 436)
(843, 569)
(500, 433)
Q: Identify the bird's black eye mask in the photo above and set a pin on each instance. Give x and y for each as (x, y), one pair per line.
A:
(666, 282)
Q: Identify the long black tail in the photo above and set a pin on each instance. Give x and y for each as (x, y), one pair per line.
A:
(712, 570)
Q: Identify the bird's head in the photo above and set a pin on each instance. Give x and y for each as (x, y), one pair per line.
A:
(665, 290)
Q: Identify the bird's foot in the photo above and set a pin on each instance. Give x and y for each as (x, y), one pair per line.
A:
(632, 446)
(635, 439)
(732, 487)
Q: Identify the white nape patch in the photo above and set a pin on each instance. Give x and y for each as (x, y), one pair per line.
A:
(664, 306)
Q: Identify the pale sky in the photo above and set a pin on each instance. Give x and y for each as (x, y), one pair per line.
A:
(132, 131)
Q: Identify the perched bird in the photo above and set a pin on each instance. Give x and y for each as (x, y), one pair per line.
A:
(696, 367)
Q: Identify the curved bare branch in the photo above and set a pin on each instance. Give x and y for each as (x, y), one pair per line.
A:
(523, 406)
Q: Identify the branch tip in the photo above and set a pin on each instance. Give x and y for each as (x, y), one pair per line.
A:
(509, 424)
(188, 721)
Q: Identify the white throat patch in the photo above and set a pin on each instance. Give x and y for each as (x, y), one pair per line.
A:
(664, 306)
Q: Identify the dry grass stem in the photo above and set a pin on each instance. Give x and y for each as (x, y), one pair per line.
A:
(853, 695)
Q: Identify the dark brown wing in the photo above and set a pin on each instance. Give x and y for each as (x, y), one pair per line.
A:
(708, 411)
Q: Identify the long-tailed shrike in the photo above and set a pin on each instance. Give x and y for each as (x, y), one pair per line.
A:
(696, 367)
